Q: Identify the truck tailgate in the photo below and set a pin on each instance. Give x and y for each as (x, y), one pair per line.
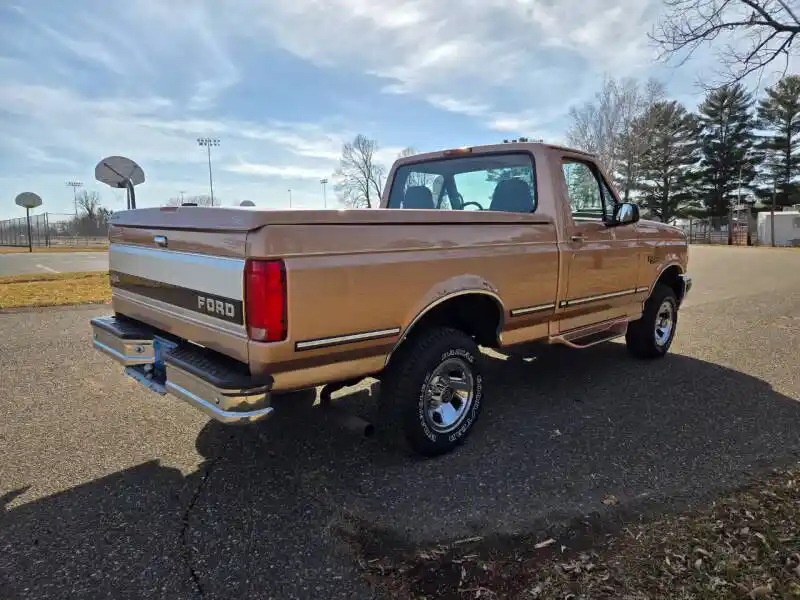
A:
(183, 281)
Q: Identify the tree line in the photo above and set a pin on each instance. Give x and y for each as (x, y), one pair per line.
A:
(677, 163)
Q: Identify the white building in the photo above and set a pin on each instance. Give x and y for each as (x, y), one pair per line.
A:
(787, 228)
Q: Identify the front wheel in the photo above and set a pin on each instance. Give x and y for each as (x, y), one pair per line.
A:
(434, 388)
(652, 335)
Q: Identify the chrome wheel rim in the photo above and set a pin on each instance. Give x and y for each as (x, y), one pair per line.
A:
(448, 395)
(665, 322)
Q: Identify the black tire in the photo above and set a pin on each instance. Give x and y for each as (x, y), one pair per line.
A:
(404, 390)
(642, 338)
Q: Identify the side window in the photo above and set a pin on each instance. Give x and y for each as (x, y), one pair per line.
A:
(583, 190)
(589, 197)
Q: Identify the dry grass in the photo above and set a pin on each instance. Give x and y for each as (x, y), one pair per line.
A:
(53, 289)
(17, 250)
(744, 545)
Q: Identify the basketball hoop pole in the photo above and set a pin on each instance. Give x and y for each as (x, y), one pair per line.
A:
(28, 217)
(131, 195)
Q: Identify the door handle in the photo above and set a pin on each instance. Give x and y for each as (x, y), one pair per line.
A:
(577, 238)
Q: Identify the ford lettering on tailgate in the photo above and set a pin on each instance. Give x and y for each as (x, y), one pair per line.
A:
(227, 309)
(219, 308)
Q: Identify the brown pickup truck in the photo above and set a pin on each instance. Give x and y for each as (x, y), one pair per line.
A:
(486, 246)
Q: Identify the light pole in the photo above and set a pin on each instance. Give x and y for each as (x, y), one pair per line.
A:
(74, 184)
(324, 182)
(181, 192)
(208, 142)
(290, 197)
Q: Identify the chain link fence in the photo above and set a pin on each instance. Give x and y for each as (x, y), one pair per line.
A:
(51, 230)
(719, 230)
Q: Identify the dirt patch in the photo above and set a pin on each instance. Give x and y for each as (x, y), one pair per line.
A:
(743, 545)
(53, 289)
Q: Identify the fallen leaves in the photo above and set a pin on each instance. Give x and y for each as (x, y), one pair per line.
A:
(745, 545)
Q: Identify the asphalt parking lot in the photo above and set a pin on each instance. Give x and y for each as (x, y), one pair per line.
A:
(111, 492)
(52, 262)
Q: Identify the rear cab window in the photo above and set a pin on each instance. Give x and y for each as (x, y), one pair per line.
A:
(503, 182)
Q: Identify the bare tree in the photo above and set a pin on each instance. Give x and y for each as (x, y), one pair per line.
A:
(360, 176)
(755, 33)
(89, 203)
(609, 126)
(92, 219)
(597, 125)
(635, 138)
(201, 200)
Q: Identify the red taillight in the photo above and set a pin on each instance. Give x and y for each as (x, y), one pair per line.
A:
(265, 300)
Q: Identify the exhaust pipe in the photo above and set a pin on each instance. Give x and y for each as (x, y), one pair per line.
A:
(352, 423)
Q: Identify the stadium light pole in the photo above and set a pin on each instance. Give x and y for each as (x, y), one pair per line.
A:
(324, 182)
(74, 184)
(208, 142)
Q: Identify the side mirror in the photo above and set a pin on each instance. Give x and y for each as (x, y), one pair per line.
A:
(625, 213)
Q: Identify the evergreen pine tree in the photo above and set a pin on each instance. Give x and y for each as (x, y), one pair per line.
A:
(665, 167)
(726, 140)
(779, 117)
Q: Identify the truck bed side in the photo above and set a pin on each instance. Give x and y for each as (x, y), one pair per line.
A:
(354, 290)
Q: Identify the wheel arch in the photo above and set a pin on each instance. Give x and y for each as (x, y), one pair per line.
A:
(478, 312)
(670, 275)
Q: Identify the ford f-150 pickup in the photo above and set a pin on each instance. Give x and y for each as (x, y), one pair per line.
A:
(486, 246)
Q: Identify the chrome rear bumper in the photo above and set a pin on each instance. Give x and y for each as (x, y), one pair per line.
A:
(219, 386)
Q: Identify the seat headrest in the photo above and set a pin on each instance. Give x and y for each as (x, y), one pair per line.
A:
(418, 196)
(512, 195)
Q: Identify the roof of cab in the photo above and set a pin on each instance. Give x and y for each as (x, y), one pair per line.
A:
(506, 145)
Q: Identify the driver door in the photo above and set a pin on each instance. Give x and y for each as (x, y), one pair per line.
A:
(602, 262)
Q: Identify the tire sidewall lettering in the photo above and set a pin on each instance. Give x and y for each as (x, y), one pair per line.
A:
(426, 430)
(476, 404)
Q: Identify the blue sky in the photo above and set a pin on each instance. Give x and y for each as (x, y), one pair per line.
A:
(283, 84)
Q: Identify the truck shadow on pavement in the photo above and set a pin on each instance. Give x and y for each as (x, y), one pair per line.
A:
(269, 511)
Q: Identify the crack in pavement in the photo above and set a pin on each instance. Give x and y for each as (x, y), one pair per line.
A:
(184, 533)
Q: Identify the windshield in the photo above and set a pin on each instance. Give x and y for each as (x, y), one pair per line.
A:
(499, 182)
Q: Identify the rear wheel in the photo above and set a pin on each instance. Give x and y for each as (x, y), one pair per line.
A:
(652, 335)
(433, 390)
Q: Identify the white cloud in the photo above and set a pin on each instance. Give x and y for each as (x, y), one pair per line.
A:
(69, 95)
(464, 56)
(282, 171)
